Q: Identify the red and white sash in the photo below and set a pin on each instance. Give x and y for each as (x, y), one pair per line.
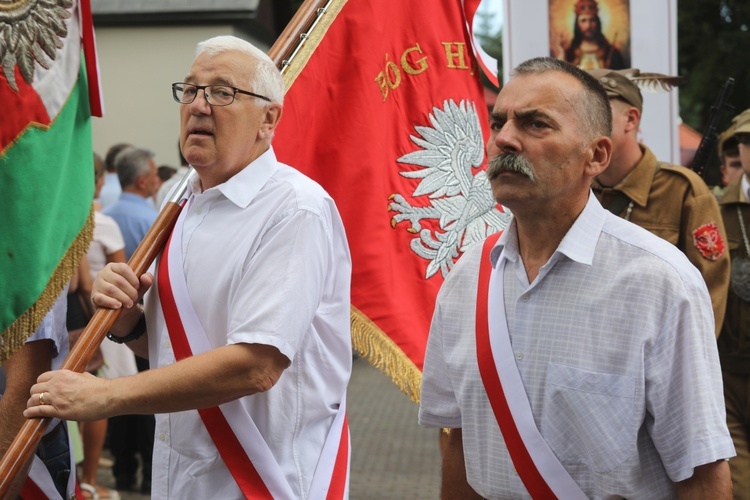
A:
(233, 431)
(39, 484)
(539, 469)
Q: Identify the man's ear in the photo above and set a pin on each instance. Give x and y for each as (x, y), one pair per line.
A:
(633, 119)
(601, 154)
(270, 120)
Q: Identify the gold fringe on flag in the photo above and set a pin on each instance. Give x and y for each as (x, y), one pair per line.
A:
(25, 325)
(383, 353)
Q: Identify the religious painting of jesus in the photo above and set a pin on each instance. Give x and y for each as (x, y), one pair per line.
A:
(592, 34)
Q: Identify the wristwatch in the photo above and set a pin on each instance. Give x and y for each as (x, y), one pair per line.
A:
(136, 333)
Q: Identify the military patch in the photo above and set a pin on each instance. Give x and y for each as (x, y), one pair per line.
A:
(707, 239)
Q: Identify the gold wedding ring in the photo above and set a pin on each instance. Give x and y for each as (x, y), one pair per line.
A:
(41, 398)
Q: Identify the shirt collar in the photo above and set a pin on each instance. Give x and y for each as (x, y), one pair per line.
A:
(242, 187)
(578, 244)
(745, 191)
(637, 184)
(132, 197)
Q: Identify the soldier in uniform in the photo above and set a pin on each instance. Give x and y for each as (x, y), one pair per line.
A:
(734, 342)
(729, 161)
(669, 200)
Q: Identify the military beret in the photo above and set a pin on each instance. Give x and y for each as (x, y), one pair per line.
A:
(726, 141)
(741, 122)
(618, 85)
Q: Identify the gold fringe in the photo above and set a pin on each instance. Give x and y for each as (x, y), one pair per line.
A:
(16, 334)
(306, 50)
(383, 353)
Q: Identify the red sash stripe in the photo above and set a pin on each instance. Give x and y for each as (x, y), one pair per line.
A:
(525, 467)
(92, 62)
(338, 481)
(221, 433)
(30, 491)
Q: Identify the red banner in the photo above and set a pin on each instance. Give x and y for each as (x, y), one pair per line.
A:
(389, 116)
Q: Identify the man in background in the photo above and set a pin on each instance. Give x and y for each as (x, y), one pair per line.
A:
(729, 161)
(139, 179)
(734, 342)
(111, 189)
(669, 200)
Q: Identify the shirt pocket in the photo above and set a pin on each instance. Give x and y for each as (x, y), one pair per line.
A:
(588, 417)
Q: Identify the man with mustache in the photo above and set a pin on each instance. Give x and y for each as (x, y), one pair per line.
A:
(247, 324)
(573, 356)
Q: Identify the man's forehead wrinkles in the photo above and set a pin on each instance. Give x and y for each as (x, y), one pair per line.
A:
(222, 80)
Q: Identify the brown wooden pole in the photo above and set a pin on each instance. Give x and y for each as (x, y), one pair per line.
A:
(27, 439)
(286, 42)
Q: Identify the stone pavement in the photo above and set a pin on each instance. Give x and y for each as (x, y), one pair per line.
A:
(392, 456)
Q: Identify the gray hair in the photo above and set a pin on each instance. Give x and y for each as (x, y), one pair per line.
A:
(267, 80)
(593, 107)
(131, 164)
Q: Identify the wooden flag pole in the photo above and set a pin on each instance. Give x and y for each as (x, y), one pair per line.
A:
(284, 55)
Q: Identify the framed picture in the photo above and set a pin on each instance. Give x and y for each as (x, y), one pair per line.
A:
(591, 34)
(615, 34)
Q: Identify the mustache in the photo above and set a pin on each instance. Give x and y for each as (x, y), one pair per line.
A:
(509, 162)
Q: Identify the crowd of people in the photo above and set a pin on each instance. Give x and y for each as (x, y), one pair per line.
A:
(575, 355)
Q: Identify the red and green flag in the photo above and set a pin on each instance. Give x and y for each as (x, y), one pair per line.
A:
(46, 157)
(389, 116)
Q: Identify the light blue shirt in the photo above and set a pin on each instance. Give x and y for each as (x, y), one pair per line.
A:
(110, 192)
(134, 216)
(614, 341)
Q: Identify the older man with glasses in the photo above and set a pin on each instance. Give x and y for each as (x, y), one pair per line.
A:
(247, 325)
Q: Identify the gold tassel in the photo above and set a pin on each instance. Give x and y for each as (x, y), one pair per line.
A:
(383, 353)
(25, 325)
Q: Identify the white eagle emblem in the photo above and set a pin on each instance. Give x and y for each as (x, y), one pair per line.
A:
(460, 201)
(31, 31)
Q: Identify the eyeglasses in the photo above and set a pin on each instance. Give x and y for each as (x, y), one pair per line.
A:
(216, 95)
(743, 137)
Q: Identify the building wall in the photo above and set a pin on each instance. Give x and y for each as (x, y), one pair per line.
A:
(137, 66)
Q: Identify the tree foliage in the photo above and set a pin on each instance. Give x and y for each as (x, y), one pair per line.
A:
(713, 44)
(490, 36)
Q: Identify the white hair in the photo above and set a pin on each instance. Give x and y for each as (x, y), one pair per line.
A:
(266, 81)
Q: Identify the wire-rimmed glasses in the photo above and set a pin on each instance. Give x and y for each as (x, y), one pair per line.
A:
(216, 95)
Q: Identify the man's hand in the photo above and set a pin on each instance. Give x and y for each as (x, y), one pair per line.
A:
(70, 396)
(117, 286)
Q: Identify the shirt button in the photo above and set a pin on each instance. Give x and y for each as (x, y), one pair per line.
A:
(162, 437)
(519, 355)
(198, 210)
(525, 297)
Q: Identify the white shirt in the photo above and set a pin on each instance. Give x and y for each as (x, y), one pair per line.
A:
(53, 328)
(614, 341)
(107, 240)
(266, 261)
